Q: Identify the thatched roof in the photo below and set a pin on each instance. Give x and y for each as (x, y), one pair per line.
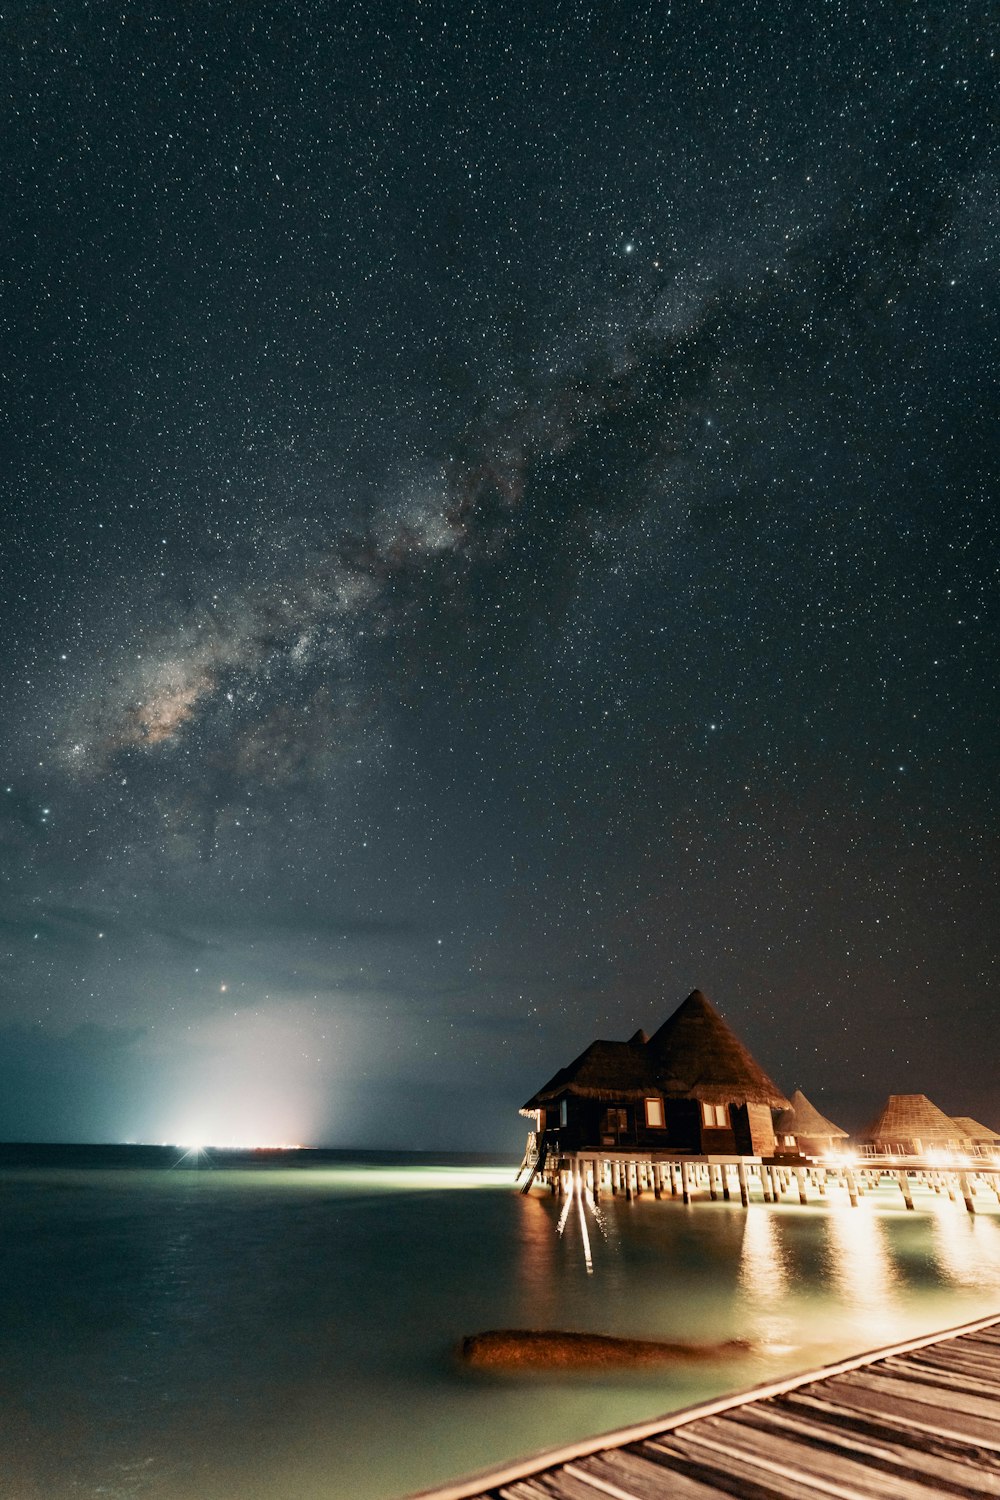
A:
(605, 1070)
(973, 1130)
(694, 1055)
(804, 1119)
(910, 1117)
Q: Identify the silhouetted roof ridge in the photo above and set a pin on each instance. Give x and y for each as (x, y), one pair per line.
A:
(803, 1118)
(907, 1117)
(696, 1054)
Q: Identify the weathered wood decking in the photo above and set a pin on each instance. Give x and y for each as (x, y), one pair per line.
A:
(914, 1422)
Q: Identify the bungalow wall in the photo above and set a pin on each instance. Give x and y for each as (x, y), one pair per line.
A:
(596, 1124)
(688, 1126)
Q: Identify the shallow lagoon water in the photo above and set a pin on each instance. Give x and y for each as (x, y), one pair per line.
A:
(268, 1328)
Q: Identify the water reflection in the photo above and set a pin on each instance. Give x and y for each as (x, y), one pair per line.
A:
(967, 1249)
(763, 1277)
(861, 1267)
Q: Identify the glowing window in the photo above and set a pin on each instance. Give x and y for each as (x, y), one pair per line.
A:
(654, 1113)
(715, 1116)
(563, 1112)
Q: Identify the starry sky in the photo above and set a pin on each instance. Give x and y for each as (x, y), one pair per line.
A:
(500, 529)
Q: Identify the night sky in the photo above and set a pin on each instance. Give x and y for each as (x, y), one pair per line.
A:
(500, 528)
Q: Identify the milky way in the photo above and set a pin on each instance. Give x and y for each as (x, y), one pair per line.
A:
(502, 530)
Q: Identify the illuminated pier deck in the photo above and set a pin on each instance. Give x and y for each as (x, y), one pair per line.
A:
(774, 1179)
(916, 1421)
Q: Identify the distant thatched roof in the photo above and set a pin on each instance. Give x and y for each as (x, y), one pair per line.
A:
(803, 1119)
(910, 1117)
(605, 1070)
(695, 1055)
(973, 1130)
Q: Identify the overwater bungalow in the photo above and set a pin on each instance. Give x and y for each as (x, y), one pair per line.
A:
(803, 1131)
(692, 1088)
(980, 1140)
(910, 1125)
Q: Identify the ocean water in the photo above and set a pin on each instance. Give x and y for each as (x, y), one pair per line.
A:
(245, 1328)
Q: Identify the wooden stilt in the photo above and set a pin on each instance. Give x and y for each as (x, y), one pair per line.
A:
(800, 1178)
(963, 1182)
(741, 1173)
(685, 1190)
(852, 1187)
(711, 1183)
(724, 1174)
(904, 1186)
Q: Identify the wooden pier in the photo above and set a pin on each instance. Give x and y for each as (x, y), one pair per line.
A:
(772, 1180)
(917, 1421)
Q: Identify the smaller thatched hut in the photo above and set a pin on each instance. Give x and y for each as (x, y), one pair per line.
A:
(606, 1096)
(980, 1139)
(802, 1130)
(910, 1125)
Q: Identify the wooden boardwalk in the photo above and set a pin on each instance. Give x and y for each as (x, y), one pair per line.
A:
(914, 1422)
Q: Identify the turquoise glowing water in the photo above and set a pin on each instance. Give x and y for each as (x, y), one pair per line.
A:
(261, 1332)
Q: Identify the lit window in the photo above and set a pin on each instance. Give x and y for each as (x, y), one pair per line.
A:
(715, 1116)
(563, 1112)
(654, 1113)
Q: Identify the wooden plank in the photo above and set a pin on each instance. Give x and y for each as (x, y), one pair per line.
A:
(556, 1486)
(987, 1354)
(917, 1416)
(944, 1379)
(885, 1429)
(962, 1367)
(966, 1355)
(739, 1465)
(629, 1472)
(797, 1460)
(913, 1387)
(879, 1447)
(718, 1470)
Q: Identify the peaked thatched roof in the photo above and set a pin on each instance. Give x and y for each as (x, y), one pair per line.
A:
(973, 1130)
(804, 1119)
(695, 1055)
(910, 1117)
(605, 1070)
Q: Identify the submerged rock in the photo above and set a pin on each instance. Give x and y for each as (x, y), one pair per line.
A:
(510, 1348)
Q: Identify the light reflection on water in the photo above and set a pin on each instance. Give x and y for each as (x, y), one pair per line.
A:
(861, 1268)
(255, 1334)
